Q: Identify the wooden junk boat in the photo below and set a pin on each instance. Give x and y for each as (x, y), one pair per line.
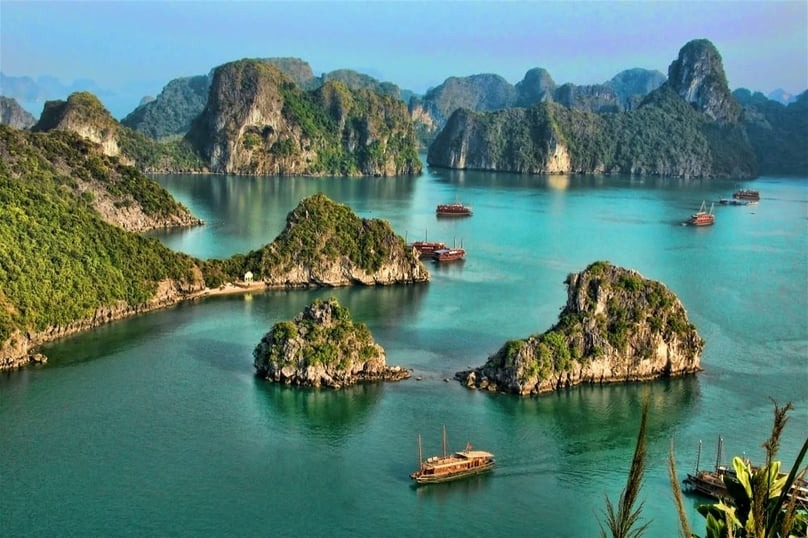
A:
(747, 194)
(453, 210)
(427, 248)
(702, 217)
(711, 483)
(446, 468)
(448, 254)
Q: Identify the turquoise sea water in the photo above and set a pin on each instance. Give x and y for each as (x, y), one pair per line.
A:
(156, 425)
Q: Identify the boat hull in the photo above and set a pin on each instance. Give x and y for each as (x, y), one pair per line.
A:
(450, 477)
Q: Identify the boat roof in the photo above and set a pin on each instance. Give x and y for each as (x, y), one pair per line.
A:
(474, 454)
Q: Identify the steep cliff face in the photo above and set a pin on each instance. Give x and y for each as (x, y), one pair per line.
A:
(616, 326)
(482, 93)
(322, 346)
(326, 244)
(258, 121)
(13, 115)
(84, 115)
(521, 140)
(697, 75)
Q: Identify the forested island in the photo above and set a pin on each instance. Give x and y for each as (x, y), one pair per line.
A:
(323, 346)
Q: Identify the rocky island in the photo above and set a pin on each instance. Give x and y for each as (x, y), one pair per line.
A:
(322, 347)
(617, 326)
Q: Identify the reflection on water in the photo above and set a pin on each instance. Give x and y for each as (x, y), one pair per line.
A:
(327, 413)
(465, 489)
(243, 213)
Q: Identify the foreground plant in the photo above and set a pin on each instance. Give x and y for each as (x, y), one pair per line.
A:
(760, 505)
(624, 521)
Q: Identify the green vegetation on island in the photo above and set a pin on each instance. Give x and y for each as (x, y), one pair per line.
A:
(259, 121)
(325, 242)
(616, 326)
(60, 261)
(322, 346)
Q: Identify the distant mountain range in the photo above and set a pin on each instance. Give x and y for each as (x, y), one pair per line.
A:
(277, 117)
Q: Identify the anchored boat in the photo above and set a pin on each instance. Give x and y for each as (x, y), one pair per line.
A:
(747, 194)
(702, 217)
(427, 248)
(445, 468)
(712, 483)
(453, 210)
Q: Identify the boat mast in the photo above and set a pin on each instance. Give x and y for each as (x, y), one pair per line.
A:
(718, 452)
(444, 440)
(698, 458)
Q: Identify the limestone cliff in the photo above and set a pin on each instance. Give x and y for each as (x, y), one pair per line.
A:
(697, 75)
(663, 136)
(616, 326)
(258, 121)
(326, 244)
(487, 92)
(84, 115)
(12, 114)
(521, 140)
(322, 346)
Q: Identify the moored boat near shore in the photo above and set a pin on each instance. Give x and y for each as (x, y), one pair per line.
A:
(427, 248)
(448, 254)
(448, 467)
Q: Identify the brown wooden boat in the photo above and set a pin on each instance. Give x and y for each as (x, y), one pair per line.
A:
(453, 210)
(711, 483)
(427, 248)
(437, 469)
(747, 194)
(448, 254)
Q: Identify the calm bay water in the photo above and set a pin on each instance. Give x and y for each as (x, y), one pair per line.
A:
(157, 426)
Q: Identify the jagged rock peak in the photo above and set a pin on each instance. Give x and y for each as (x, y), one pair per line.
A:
(536, 86)
(697, 75)
(83, 114)
(12, 114)
(322, 346)
(616, 326)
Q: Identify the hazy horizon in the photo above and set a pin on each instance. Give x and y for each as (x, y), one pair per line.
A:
(134, 49)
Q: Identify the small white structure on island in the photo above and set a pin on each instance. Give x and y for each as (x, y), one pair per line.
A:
(248, 277)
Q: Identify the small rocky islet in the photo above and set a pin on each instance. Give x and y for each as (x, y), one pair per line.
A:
(617, 326)
(323, 347)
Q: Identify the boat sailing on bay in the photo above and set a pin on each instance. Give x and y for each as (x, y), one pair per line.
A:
(448, 467)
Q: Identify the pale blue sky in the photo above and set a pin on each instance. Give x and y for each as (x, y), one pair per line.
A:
(140, 46)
